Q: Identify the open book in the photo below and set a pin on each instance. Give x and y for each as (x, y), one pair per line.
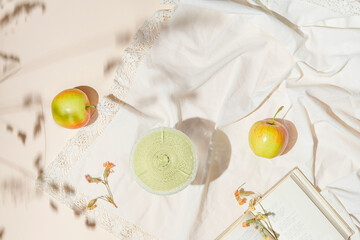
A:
(299, 213)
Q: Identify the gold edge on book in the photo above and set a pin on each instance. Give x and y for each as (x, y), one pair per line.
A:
(329, 212)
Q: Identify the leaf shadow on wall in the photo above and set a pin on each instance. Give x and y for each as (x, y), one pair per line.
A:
(10, 63)
(2, 231)
(122, 39)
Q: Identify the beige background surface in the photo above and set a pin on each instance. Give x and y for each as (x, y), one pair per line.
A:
(46, 47)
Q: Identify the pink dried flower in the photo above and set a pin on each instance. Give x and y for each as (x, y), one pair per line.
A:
(88, 178)
(92, 180)
(109, 198)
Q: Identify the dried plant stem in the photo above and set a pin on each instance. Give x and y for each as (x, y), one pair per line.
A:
(110, 197)
(269, 226)
(102, 197)
(260, 218)
(267, 229)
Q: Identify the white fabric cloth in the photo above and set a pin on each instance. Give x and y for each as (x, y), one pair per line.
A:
(216, 68)
(343, 195)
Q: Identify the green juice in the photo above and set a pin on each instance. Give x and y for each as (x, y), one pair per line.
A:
(164, 161)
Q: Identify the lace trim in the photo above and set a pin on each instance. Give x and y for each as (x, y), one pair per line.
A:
(171, 2)
(344, 7)
(53, 179)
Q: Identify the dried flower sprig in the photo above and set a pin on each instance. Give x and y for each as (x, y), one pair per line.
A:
(260, 218)
(109, 198)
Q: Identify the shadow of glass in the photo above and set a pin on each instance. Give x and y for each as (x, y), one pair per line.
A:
(93, 96)
(205, 137)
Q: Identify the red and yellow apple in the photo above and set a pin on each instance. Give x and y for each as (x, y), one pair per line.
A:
(268, 138)
(71, 108)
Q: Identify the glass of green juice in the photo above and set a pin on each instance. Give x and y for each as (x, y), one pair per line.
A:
(164, 161)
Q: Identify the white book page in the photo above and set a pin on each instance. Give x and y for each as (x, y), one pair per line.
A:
(244, 233)
(296, 217)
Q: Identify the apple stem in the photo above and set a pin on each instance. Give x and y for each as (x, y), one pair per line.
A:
(277, 112)
(90, 107)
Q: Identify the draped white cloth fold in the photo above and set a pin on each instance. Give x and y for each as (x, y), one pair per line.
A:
(216, 68)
